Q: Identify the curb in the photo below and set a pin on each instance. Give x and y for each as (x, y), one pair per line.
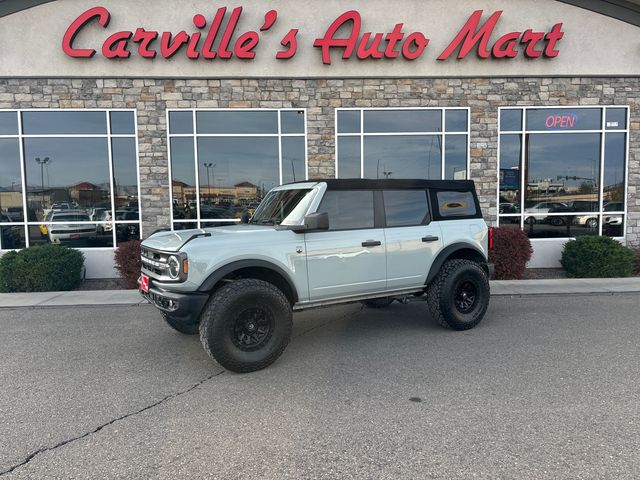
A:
(514, 288)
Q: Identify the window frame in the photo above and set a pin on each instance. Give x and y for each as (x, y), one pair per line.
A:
(602, 132)
(442, 133)
(195, 136)
(21, 136)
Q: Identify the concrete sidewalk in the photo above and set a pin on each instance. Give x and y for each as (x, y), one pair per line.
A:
(563, 286)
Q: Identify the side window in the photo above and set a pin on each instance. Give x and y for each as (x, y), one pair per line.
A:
(348, 209)
(456, 204)
(405, 207)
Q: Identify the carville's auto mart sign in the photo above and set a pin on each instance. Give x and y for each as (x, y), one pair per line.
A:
(315, 38)
(474, 36)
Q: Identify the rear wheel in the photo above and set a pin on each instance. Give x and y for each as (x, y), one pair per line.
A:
(246, 325)
(459, 295)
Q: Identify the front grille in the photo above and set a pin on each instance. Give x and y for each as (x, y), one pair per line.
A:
(154, 264)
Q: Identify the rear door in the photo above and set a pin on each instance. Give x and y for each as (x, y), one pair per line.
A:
(349, 258)
(412, 238)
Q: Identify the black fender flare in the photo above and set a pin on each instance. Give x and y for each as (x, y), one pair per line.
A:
(446, 252)
(225, 270)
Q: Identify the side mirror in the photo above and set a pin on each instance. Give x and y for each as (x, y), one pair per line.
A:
(316, 221)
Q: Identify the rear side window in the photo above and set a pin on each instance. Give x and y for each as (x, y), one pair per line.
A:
(348, 209)
(404, 208)
(456, 204)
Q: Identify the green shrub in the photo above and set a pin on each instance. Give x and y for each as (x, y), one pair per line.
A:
(510, 253)
(41, 268)
(596, 257)
(128, 262)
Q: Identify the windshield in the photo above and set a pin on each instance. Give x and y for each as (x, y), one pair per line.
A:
(283, 207)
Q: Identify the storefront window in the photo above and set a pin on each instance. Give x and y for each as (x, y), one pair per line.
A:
(71, 178)
(562, 170)
(428, 143)
(220, 174)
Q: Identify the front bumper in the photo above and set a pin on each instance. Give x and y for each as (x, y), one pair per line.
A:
(184, 307)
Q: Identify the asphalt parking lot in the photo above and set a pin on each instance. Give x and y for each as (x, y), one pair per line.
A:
(544, 387)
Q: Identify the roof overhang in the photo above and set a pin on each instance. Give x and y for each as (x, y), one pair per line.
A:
(625, 10)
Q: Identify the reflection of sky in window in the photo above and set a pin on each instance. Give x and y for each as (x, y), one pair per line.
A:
(64, 122)
(9, 164)
(182, 167)
(564, 154)
(381, 121)
(237, 122)
(8, 123)
(293, 159)
(239, 159)
(455, 157)
(349, 157)
(510, 151)
(123, 151)
(73, 160)
(403, 155)
(348, 121)
(614, 152)
(455, 121)
(292, 121)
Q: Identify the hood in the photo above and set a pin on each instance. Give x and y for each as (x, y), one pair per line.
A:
(174, 240)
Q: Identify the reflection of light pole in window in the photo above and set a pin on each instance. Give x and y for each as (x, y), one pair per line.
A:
(386, 173)
(209, 166)
(293, 171)
(42, 162)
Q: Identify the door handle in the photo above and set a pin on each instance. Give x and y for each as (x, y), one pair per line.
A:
(371, 243)
(430, 238)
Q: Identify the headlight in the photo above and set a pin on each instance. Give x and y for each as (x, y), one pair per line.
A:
(174, 267)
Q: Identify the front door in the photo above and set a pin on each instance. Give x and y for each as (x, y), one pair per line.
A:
(348, 259)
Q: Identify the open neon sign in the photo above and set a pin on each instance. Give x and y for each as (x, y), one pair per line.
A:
(565, 120)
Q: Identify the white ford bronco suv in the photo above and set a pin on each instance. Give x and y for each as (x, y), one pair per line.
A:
(319, 243)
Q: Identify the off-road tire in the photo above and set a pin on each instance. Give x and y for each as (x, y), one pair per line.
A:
(182, 327)
(441, 294)
(226, 310)
(378, 302)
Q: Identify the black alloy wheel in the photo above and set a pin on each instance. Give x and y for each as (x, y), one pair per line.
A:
(465, 296)
(252, 329)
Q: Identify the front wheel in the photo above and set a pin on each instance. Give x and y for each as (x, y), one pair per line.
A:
(459, 295)
(246, 325)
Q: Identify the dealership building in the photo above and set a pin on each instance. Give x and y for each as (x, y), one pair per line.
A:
(119, 118)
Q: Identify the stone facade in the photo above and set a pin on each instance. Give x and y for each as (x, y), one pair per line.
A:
(321, 97)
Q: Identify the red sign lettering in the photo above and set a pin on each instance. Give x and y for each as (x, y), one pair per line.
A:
(561, 121)
(220, 39)
(473, 36)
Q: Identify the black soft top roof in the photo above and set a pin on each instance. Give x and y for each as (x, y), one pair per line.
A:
(396, 184)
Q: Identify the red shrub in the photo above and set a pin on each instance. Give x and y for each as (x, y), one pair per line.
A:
(511, 252)
(128, 262)
(636, 269)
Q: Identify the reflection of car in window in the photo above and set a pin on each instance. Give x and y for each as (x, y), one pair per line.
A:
(59, 232)
(542, 207)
